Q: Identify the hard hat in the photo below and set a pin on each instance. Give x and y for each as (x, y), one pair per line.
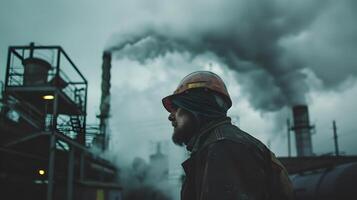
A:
(199, 79)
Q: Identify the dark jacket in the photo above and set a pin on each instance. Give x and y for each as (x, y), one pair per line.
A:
(228, 164)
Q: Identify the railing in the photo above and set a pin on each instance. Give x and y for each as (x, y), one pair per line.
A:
(92, 131)
(65, 126)
(74, 91)
(60, 72)
(62, 67)
(16, 76)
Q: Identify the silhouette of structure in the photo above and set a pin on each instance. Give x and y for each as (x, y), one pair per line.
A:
(45, 144)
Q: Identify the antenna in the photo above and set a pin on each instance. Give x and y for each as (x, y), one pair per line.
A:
(288, 132)
(335, 137)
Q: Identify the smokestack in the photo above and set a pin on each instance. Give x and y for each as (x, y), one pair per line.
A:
(105, 99)
(302, 130)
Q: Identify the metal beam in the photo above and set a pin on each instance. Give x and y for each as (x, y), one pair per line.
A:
(31, 88)
(23, 139)
(85, 116)
(51, 167)
(289, 141)
(81, 167)
(27, 47)
(51, 163)
(8, 69)
(77, 83)
(62, 146)
(58, 65)
(70, 175)
(17, 55)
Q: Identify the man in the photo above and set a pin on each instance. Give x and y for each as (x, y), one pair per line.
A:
(226, 163)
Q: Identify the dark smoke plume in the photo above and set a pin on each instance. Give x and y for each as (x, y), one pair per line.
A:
(257, 40)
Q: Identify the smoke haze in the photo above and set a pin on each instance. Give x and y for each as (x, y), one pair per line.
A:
(268, 44)
(271, 54)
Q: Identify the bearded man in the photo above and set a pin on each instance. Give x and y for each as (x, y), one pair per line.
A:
(225, 163)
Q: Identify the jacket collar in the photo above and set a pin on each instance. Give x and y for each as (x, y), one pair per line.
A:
(198, 139)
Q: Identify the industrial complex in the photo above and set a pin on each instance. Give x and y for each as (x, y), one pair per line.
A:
(46, 144)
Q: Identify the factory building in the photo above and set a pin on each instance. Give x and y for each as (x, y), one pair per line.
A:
(45, 145)
(316, 177)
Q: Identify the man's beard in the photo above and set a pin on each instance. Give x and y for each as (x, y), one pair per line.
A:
(180, 138)
(182, 135)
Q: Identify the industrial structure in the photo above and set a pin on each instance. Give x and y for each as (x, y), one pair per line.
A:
(318, 177)
(103, 138)
(45, 142)
(302, 130)
(159, 163)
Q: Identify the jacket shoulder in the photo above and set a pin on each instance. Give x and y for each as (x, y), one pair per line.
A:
(233, 133)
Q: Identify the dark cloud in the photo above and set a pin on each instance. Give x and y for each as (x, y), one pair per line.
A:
(329, 45)
(256, 39)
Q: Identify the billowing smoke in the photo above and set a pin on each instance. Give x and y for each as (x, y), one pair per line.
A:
(272, 46)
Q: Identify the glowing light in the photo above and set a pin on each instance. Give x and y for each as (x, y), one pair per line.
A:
(48, 97)
(41, 172)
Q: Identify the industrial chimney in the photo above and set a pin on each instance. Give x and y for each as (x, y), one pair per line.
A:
(302, 130)
(105, 100)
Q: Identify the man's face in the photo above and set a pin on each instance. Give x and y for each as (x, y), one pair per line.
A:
(184, 124)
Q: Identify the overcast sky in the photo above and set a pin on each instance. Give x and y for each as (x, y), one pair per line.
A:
(272, 55)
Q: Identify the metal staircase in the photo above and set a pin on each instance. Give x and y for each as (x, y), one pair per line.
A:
(76, 124)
